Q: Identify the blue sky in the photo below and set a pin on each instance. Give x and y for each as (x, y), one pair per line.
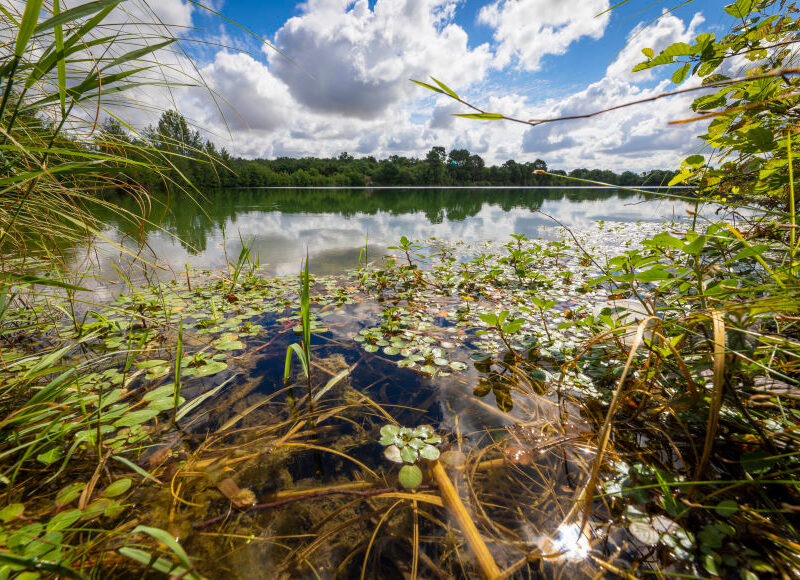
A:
(349, 90)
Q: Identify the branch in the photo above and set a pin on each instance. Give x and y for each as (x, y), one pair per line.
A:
(536, 122)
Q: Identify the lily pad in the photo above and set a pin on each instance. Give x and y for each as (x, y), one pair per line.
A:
(210, 369)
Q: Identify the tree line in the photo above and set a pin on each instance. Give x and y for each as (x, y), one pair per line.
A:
(201, 163)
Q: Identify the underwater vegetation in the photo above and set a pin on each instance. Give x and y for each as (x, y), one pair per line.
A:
(452, 415)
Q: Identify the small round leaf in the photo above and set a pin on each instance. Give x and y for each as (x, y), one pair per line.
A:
(410, 476)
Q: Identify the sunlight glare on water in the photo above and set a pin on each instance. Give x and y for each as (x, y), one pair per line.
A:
(569, 543)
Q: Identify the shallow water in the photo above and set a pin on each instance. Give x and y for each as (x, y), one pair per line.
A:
(526, 440)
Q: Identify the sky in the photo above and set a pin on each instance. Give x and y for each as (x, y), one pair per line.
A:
(339, 79)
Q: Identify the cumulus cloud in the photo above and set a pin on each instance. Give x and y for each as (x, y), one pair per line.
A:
(667, 30)
(634, 137)
(527, 30)
(256, 100)
(348, 88)
(353, 60)
(631, 138)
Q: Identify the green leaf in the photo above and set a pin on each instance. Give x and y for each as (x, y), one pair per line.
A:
(445, 88)
(11, 512)
(27, 25)
(390, 430)
(29, 280)
(58, 570)
(410, 476)
(644, 532)
(429, 452)
(166, 539)
(696, 246)
(50, 456)
(158, 564)
(726, 508)
(490, 319)
(648, 52)
(678, 49)
(23, 536)
(229, 345)
(135, 418)
(740, 8)
(59, 18)
(710, 564)
(69, 493)
(679, 75)
(138, 53)
(694, 161)
(409, 454)
(211, 368)
(118, 487)
(134, 467)
(63, 520)
(481, 116)
(427, 86)
(652, 275)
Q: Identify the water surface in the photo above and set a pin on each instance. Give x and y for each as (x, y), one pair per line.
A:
(336, 225)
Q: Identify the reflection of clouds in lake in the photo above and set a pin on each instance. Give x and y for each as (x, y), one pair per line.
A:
(279, 239)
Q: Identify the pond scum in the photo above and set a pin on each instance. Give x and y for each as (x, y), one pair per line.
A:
(458, 422)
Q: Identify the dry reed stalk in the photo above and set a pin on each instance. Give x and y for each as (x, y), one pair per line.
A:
(452, 500)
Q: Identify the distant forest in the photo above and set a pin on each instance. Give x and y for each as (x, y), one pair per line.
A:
(206, 166)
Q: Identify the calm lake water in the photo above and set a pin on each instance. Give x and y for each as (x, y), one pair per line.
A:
(279, 224)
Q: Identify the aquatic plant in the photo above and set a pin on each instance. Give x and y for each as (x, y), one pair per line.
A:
(407, 446)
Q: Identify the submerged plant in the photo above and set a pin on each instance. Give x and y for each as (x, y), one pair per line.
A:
(405, 445)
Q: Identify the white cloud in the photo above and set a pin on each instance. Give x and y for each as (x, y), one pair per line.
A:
(358, 97)
(667, 30)
(527, 30)
(355, 61)
(635, 137)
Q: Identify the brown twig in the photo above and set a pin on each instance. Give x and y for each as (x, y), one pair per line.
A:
(536, 122)
(280, 502)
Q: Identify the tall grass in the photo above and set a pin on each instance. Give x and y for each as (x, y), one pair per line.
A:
(63, 70)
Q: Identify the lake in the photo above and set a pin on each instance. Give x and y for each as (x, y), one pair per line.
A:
(279, 224)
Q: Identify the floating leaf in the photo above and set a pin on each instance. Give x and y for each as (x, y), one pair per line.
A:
(210, 369)
(370, 347)
(229, 345)
(410, 476)
(409, 454)
(644, 532)
(392, 453)
(429, 452)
